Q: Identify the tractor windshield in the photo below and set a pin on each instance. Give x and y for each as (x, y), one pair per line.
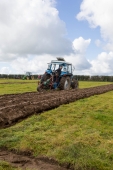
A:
(53, 66)
(66, 67)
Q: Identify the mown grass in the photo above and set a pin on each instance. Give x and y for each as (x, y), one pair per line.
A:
(79, 133)
(87, 84)
(7, 80)
(13, 86)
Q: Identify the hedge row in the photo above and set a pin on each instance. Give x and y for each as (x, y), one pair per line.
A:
(94, 78)
(78, 77)
(13, 76)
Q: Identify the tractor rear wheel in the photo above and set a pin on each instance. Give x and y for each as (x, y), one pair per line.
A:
(74, 84)
(65, 83)
(42, 86)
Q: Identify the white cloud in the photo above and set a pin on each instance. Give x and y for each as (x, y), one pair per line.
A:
(80, 45)
(99, 13)
(31, 27)
(78, 59)
(38, 63)
(32, 34)
(108, 47)
(103, 64)
(98, 43)
(5, 70)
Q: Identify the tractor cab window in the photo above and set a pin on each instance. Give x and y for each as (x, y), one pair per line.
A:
(69, 68)
(57, 66)
(53, 67)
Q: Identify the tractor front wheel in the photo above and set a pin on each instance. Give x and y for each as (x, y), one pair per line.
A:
(65, 83)
(45, 77)
(40, 88)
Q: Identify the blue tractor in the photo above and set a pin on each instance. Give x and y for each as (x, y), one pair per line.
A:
(53, 78)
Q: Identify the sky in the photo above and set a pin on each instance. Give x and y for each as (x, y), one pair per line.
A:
(34, 32)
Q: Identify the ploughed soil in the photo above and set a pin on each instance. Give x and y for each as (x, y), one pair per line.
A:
(16, 107)
(25, 161)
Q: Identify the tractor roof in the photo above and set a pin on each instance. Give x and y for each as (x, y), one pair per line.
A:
(60, 62)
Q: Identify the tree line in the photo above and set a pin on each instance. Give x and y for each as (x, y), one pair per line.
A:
(93, 78)
(78, 77)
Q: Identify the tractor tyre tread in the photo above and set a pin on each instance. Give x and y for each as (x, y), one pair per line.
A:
(45, 77)
(62, 82)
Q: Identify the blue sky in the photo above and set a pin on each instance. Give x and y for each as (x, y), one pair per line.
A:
(68, 11)
(32, 33)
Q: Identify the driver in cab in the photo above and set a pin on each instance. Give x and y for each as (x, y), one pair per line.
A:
(58, 71)
(57, 74)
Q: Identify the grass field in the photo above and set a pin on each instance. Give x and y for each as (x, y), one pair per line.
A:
(6, 166)
(11, 86)
(79, 133)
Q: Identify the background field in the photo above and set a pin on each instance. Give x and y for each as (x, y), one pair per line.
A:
(79, 133)
(11, 86)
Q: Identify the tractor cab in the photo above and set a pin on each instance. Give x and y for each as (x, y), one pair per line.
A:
(51, 79)
(55, 64)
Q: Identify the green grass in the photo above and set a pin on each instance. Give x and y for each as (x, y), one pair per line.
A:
(16, 86)
(87, 84)
(79, 133)
(6, 166)
(6, 80)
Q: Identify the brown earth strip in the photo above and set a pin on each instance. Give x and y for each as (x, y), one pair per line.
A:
(28, 162)
(16, 107)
